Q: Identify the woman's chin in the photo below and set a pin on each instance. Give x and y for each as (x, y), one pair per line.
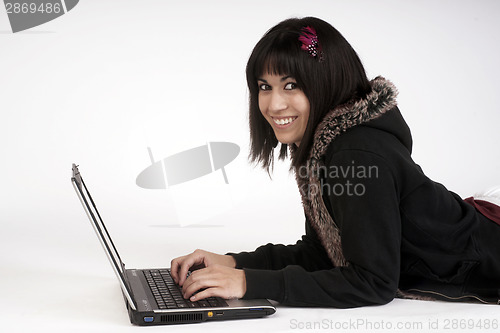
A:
(285, 140)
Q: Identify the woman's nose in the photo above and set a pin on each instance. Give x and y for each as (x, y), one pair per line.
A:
(277, 102)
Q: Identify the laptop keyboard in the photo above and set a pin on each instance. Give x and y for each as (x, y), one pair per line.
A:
(168, 294)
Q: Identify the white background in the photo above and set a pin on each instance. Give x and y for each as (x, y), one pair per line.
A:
(102, 83)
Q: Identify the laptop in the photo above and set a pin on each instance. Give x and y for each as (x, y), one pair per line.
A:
(151, 296)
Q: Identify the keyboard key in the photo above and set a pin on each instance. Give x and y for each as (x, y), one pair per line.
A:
(192, 304)
(213, 303)
(203, 303)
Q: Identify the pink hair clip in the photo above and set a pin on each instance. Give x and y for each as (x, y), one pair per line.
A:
(310, 42)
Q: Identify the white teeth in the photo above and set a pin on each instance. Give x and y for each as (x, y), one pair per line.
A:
(283, 121)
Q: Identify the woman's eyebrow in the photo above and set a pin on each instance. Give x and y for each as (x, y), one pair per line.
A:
(284, 78)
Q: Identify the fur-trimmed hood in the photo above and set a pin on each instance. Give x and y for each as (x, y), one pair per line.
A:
(381, 99)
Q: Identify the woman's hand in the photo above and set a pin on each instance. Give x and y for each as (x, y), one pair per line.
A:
(215, 280)
(196, 260)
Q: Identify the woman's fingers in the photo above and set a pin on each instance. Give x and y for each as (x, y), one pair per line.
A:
(215, 280)
(194, 259)
(198, 259)
(181, 266)
(174, 268)
(210, 292)
(192, 286)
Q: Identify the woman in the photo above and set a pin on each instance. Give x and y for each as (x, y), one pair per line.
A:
(376, 226)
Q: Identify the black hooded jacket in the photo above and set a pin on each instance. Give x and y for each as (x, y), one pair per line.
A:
(402, 234)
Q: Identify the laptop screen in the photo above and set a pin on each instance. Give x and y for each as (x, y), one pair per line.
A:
(101, 231)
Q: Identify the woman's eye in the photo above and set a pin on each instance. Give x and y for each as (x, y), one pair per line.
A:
(291, 86)
(264, 87)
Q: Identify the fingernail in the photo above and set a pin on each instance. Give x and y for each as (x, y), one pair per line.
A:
(192, 299)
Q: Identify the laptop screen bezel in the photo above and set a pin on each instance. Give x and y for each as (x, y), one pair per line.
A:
(102, 233)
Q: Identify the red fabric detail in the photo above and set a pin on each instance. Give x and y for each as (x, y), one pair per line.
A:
(488, 209)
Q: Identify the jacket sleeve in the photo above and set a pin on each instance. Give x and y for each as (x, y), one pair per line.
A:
(366, 209)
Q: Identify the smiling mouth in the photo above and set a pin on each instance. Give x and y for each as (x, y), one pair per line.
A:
(284, 121)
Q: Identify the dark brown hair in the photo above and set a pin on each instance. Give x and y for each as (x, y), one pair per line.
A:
(335, 78)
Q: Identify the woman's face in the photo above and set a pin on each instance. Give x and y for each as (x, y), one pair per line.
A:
(285, 107)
